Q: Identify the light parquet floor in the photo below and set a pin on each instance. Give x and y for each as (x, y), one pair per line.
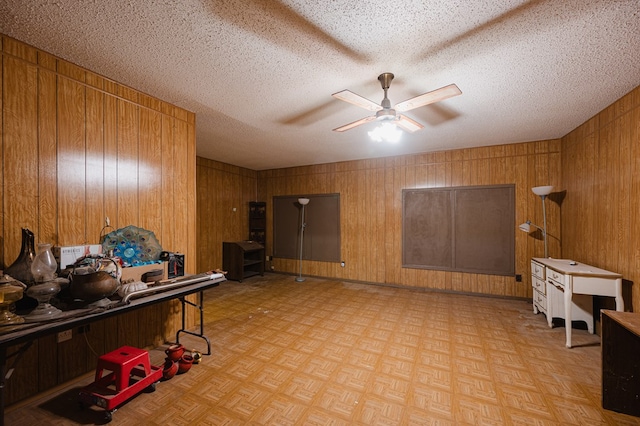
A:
(327, 352)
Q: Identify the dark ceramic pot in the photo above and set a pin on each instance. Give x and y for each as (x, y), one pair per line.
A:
(185, 363)
(175, 352)
(93, 286)
(90, 286)
(169, 369)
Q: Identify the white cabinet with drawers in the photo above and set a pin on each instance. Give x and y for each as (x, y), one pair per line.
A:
(538, 281)
(548, 296)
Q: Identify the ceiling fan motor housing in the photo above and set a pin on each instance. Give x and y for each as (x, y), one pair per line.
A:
(386, 114)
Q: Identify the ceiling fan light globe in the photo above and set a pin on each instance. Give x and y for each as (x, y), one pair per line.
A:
(375, 135)
(387, 132)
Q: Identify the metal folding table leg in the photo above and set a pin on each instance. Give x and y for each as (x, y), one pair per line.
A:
(5, 374)
(201, 335)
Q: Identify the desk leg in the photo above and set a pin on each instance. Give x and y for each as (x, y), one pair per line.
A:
(619, 299)
(568, 294)
(550, 288)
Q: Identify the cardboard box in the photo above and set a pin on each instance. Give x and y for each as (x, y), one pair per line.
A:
(67, 255)
(134, 273)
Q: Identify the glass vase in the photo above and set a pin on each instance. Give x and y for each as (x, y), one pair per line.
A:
(20, 269)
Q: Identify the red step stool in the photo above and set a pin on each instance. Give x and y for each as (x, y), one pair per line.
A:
(123, 362)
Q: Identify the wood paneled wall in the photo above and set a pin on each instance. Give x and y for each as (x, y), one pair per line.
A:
(78, 147)
(601, 176)
(371, 210)
(223, 194)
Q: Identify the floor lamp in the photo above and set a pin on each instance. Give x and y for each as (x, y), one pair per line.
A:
(303, 202)
(542, 192)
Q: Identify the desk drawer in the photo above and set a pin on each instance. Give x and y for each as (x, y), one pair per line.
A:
(555, 276)
(540, 300)
(539, 285)
(537, 270)
(558, 285)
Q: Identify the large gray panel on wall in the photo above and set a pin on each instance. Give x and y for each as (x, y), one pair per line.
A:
(322, 231)
(466, 229)
(427, 229)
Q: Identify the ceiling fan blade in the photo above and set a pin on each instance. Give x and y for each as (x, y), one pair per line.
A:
(352, 98)
(408, 124)
(354, 124)
(429, 98)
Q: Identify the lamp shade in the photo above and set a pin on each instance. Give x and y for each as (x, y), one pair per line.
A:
(542, 190)
(526, 227)
(303, 201)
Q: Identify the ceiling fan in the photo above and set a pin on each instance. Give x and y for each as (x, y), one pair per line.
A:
(384, 112)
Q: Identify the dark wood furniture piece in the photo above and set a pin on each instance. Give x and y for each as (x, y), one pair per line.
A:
(242, 259)
(257, 221)
(621, 361)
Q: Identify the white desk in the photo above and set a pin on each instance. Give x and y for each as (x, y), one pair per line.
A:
(581, 279)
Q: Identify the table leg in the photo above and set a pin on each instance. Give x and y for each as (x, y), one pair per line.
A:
(549, 288)
(619, 299)
(3, 372)
(568, 293)
(6, 373)
(201, 334)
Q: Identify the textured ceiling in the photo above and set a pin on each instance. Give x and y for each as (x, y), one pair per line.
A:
(260, 74)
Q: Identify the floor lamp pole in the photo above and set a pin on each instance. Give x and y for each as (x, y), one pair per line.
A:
(303, 202)
(542, 192)
(544, 227)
